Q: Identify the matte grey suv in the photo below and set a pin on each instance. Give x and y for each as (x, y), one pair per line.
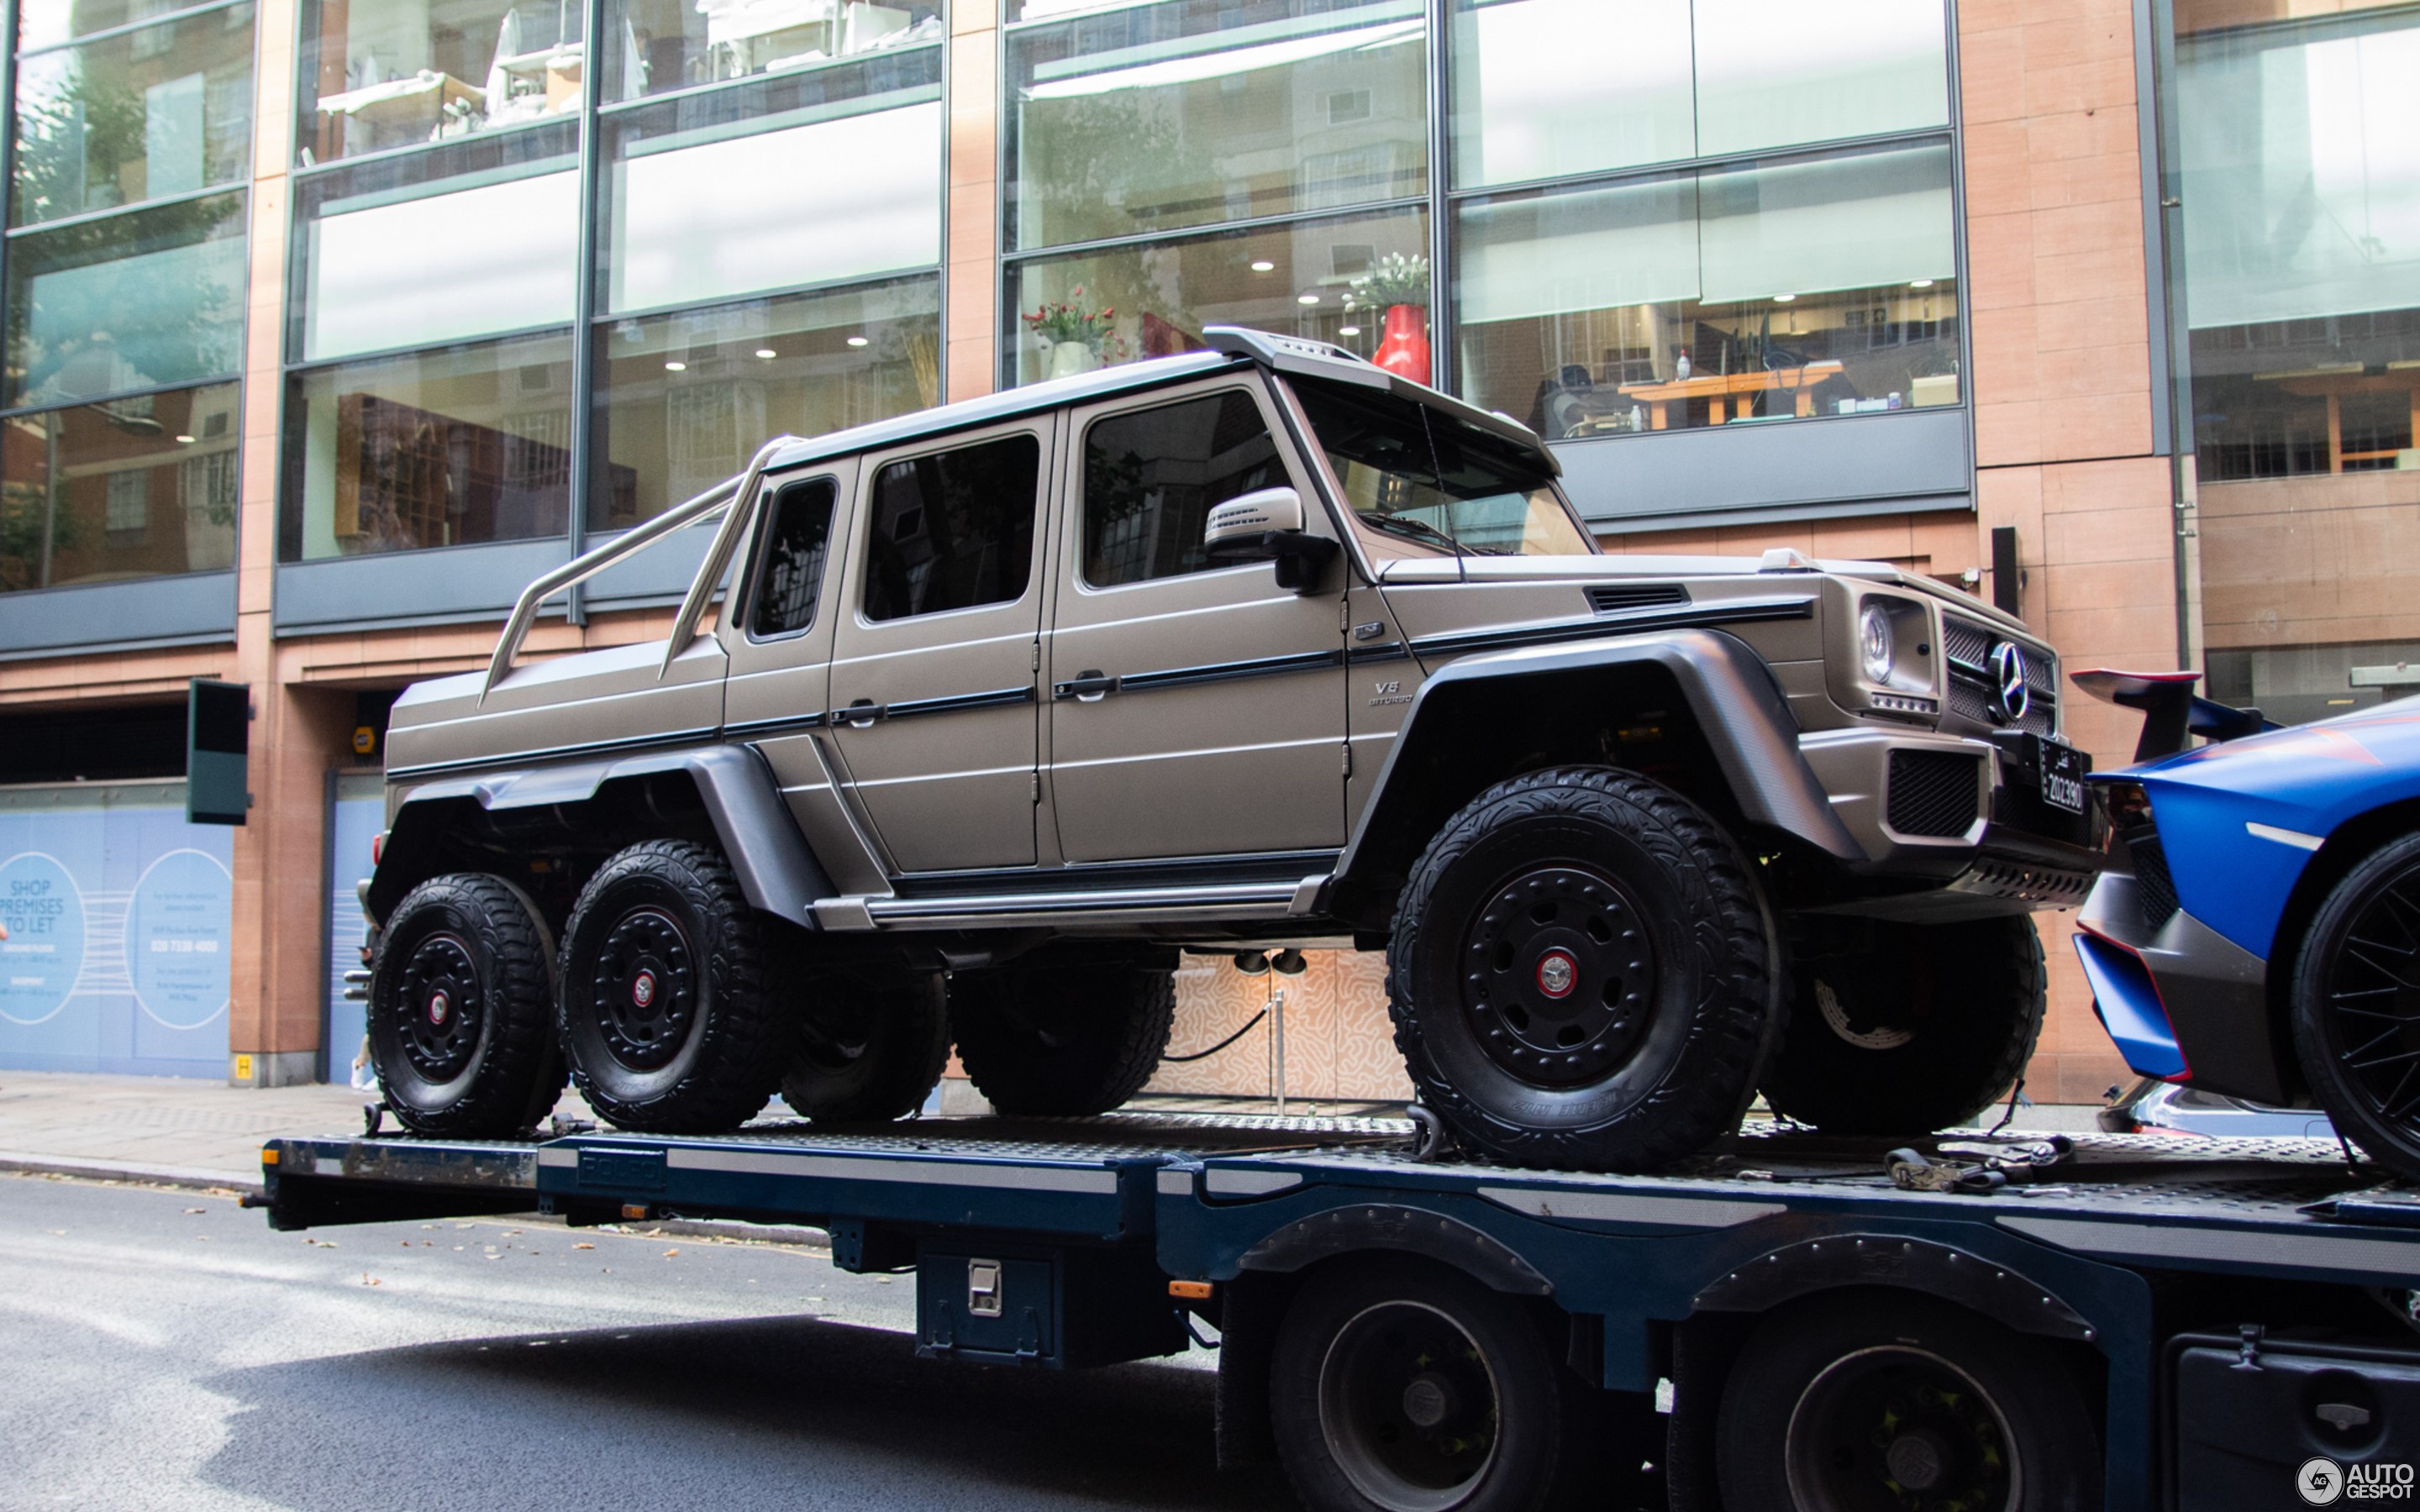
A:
(972, 721)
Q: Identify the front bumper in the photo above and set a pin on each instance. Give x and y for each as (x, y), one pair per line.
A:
(1952, 827)
(2182, 1002)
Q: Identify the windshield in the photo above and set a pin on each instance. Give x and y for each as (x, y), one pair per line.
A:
(1421, 475)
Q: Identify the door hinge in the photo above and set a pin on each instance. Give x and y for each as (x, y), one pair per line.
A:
(1034, 787)
(1348, 758)
(1037, 658)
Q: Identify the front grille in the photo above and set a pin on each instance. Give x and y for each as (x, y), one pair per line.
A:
(1612, 598)
(1968, 646)
(1932, 792)
(2155, 889)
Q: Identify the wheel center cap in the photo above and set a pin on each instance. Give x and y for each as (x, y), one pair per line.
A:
(1426, 1401)
(643, 989)
(1557, 973)
(439, 1008)
(1916, 1460)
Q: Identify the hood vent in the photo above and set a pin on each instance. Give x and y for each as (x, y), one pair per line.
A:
(1614, 598)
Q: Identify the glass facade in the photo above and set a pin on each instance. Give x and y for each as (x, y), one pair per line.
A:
(1655, 216)
(469, 361)
(131, 143)
(2295, 151)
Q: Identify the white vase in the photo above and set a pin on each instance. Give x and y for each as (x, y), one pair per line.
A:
(1069, 358)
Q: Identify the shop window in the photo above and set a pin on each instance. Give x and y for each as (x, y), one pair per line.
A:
(127, 489)
(662, 45)
(137, 300)
(451, 447)
(1786, 288)
(793, 571)
(688, 398)
(954, 530)
(1308, 278)
(1151, 477)
(381, 74)
(144, 115)
(1187, 112)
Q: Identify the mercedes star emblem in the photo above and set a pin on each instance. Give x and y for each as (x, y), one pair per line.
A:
(2010, 695)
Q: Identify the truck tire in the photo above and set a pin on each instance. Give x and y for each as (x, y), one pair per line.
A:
(1873, 1397)
(2354, 1010)
(1583, 973)
(1403, 1385)
(869, 1056)
(1061, 1042)
(1921, 1028)
(664, 1011)
(461, 1009)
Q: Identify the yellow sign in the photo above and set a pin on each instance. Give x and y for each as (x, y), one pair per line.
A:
(364, 740)
(243, 1068)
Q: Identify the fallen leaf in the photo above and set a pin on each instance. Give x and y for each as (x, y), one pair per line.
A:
(197, 1210)
(583, 1246)
(670, 1253)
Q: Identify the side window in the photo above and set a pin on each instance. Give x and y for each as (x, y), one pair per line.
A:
(954, 530)
(1151, 477)
(794, 542)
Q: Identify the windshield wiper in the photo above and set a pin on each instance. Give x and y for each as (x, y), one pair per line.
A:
(1422, 531)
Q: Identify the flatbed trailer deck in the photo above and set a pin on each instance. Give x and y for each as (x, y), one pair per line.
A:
(2225, 1311)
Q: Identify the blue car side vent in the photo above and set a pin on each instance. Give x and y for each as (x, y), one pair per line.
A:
(2128, 1007)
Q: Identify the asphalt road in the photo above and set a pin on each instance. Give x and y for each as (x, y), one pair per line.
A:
(163, 1349)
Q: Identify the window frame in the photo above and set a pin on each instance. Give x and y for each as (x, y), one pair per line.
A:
(760, 553)
(1079, 505)
(1042, 429)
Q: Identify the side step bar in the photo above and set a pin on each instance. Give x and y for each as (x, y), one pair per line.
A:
(1117, 905)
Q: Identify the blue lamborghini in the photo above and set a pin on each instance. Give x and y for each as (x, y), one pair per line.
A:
(2256, 934)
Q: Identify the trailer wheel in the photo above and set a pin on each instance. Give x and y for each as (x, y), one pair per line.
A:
(1845, 1401)
(1061, 1042)
(1583, 973)
(1921, 1029)
(2354, 1010)
(1406, 1386)
(664, 1011)
(869, 1056)
(461, 1018)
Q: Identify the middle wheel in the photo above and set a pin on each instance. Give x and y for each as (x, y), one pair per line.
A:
(662, 1005)
(869, 1055)
(1046, 1042)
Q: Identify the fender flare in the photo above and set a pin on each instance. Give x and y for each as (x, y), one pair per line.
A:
(777, 872)
(1991, 1287)
(1731, 691)
(1363, 1227)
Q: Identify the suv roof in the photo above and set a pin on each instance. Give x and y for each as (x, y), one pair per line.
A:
(1231, 347)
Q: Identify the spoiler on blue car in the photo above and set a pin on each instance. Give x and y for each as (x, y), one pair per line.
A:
(2172, 713)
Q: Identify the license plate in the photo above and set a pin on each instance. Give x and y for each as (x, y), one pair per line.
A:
(2059, 768)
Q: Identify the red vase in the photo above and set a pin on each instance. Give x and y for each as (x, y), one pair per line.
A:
(1404, 349)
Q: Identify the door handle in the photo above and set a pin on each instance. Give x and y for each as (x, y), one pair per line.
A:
(862, 714)
(1087, 686)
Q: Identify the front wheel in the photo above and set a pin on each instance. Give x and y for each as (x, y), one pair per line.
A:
(1881, 1400)
(1908, 1028)
(2356, 1006)
(1583, 973)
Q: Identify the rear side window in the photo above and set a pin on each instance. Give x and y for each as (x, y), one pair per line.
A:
(954, 530)
(1151, 477)
(794, 542)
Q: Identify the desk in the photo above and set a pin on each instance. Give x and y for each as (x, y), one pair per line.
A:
(2399, 377)
(1728, 395)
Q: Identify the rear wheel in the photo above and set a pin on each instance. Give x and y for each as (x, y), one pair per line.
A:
(2356, 1006)
(867, 1056)
(461, 1009)
(665, 1011)
(1914, 1029)
(1877, 1401)
(1062, 1040)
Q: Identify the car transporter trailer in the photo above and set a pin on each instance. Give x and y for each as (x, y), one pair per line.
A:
(1978, 1321)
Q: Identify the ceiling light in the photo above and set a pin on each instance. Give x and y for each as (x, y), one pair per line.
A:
(184, 440)
(1348, 330)
(1919, 283)
(1265, 266)
(1306, 298)
(768, 353)
(675, 367)
(857, 341)
(1783, 299)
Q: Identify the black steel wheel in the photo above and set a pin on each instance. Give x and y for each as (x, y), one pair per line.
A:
(1877, 1401)
(461, 1009)
(1405, 1386)
(2356, 1006)
(869, 1055)
(1904, 1028)
(1583, 973)
(664, 1011)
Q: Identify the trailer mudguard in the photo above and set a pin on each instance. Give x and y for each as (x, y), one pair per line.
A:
(776, 870)
(1364, 1227)
(1729, 690)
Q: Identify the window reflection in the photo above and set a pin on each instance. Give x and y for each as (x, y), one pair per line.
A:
(135, 301)
(133, 487)
(394, 73)
(660, 45)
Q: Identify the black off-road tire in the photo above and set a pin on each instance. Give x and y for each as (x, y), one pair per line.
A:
(2354, 1010)
(664, 1011)
(1921, 1028)
(1052, 1042)
(461, 1009)
(1367, 1344)
(867, 1056)
(1841, 1389)
(1671, 993)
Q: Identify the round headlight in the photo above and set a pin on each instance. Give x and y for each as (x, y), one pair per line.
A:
(1876, 645)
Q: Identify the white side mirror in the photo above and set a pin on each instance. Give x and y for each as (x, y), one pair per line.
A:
(1252, 527)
